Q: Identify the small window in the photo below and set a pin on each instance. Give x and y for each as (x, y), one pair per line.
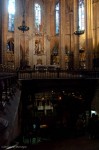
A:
(11, 15)
(37, 16)
(81, 15)
(57, 18)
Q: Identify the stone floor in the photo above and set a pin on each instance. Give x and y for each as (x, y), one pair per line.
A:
(78, 143)
(70, 143)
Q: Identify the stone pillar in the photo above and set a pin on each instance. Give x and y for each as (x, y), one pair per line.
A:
(52, 36)
(47, 32)
(62, 34)
(96, 29)
(31, 35)
(89, 33)
(17, 33)
(17, 50)
(4, 29)
(95, 9)
(21, 39)
(31, 51)
(76, 37)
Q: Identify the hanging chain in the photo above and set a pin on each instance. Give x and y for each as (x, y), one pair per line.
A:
(23, 3)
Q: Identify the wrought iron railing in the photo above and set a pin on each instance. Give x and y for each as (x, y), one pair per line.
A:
(56, 74)
(6, 71)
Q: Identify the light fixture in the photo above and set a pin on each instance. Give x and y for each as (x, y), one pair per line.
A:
(78, 31)
(23, 27)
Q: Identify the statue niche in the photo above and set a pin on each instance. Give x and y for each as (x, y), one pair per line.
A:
(10, 45)
(10, 52)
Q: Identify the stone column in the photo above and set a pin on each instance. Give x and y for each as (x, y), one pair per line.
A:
(62, 34)
(94, 24)
(47, 32)
(17, 33)
(31, 34)
(89, 33)
(21, 39)
(4, 29)
(31, 51)
(96, 29)
(76, 37)
(17, 50)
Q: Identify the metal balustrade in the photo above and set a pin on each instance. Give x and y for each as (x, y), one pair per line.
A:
(6, 71)
(62, 74)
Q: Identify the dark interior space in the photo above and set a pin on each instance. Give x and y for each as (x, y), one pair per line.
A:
(51, 111)
(49, 74)
(42, 112)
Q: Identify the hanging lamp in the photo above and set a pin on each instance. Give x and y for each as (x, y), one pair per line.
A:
(78, 31)
(23, 27)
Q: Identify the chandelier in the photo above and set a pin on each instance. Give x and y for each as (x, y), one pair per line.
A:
(78, 31)
(80, 5)
(23, 27)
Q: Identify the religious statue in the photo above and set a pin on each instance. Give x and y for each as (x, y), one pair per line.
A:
(38, 47)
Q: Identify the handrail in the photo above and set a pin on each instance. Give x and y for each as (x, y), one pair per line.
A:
(55, 74)
(7, 71)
